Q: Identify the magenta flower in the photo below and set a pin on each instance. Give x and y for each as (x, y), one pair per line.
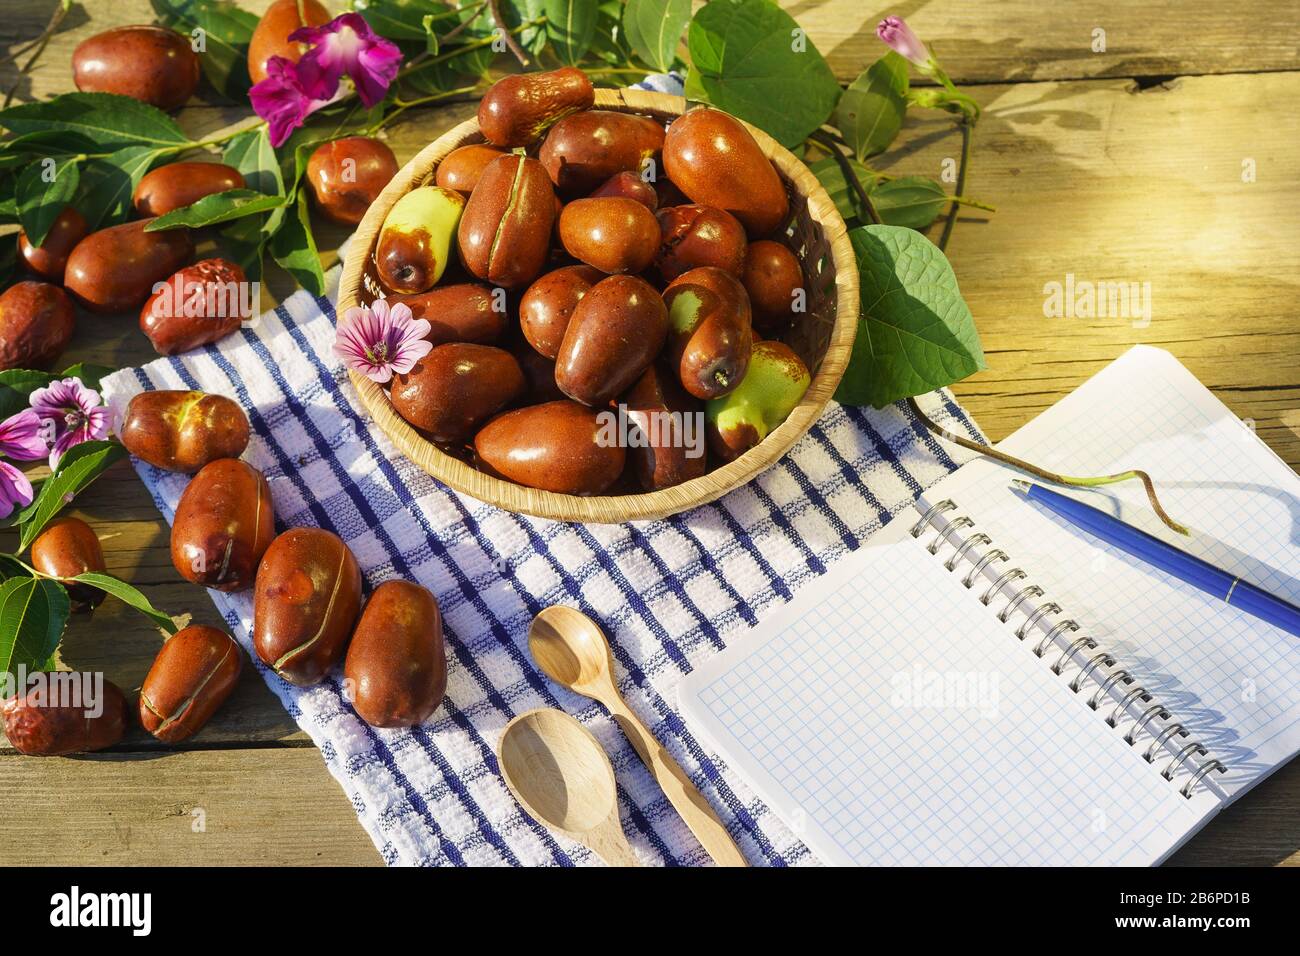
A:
(346, 45)
(22, 436)
(74, 413)
(15, 489)
(279, 99)
(380, 341)
(898, 36)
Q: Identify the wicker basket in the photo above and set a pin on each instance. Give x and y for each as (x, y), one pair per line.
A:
(823, 337)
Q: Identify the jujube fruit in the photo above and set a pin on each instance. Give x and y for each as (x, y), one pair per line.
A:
(774, 384)
(547, 306)
(462, 167)
(415, 241)
(517, 109)
(582, 151)
(348, 174)
(396, 663)
(182, 184)
(200, 304)
(183, 431)
(223, 525)
(68, 547)
(38, 727)
(271, 35)
(151, 64)
(114, 269)
(772, 278)
(616, 331)
(191, 677)
(455, 388)
(50, 258)
(36, 324)
(504, 236)
(560, 446)
(710, 334)
(612, 233)
(694, 235)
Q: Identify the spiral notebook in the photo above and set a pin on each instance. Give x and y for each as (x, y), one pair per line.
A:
(982, 684)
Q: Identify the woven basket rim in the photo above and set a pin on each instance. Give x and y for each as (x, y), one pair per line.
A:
(604, 509)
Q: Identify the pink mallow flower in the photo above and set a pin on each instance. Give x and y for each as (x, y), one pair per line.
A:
(380, 341)
(22, 436)
(15, 489)
(279, 99)
(73, 412)
(898, 36)
(346, 45)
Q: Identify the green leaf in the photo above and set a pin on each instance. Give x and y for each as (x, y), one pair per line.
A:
(216, 208)
(831, 177)
(16, 384)
(108, 184)
(750, 58)
(44, 189)
(909, 201)
(108, 120)
(77, 469)
(89, 374)
(655, 27)
(916, 333)
(128, 595)
(295, 249)
(251, 153)
(404, 19)
(570, 24)
(10, 568)
(33, 612)
(227, 31)
(871, 110)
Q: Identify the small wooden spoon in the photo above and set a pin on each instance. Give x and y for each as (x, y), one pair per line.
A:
(562, 777)
(573, 651)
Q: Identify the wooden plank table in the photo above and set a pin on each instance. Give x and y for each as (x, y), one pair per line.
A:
(1122, 165)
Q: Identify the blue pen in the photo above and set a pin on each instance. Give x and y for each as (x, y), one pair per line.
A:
(1231, 589)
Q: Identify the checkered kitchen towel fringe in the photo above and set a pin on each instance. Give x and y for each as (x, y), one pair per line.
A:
(668, 593)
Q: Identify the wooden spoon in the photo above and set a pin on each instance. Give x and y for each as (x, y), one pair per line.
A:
(561, 775)
(573, 651)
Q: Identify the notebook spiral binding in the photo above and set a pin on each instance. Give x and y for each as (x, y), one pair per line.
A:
(1155, 719)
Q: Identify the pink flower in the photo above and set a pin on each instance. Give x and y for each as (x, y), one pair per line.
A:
(379, 341)
(898, 36)
(74, 413)
(346, 45)
(279, 99)
(15, 489)
(21, 437)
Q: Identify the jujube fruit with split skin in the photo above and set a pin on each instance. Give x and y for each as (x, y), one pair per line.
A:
(50, 258)
(170, 187)
(200, 304)
(188, 681)
(710, 335)
(774, 384)
(348, 174)
(517, 109)
(612, 233)
(505, 234)
(692, 236)
(36, 323)
(455, 388)
(183, 431)
(582, 151)
(305, 604)
(151, 64)
(547, 307)
(37, 727)
(559, 446)
(616, 331)
(114, 269)
(415, 241)
(396, 665)
(271, 36)
(716, 161)
(68, 547)
(224, 523)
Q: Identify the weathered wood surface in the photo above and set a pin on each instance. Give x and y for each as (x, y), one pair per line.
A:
(1092, 177)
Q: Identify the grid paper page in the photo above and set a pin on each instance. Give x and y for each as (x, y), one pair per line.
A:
(889, 723)
(1231, 679)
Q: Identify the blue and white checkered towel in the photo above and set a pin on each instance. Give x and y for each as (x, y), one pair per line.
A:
(668, 593)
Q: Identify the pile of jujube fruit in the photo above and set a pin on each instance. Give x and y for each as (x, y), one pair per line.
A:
(642, 267)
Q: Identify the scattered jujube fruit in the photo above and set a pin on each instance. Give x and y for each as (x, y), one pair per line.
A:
(396, 665)
(38, 727)
(50, 258)
(191, 677)
(147, 63)
(170, 187)
(68, 547)
(348, 174)
(183, 430)
(114, 269)
(224, 524)
(36, 323)
(198, 305)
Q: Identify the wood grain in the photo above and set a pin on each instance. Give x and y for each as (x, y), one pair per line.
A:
(1095, 176)
(989, 42)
